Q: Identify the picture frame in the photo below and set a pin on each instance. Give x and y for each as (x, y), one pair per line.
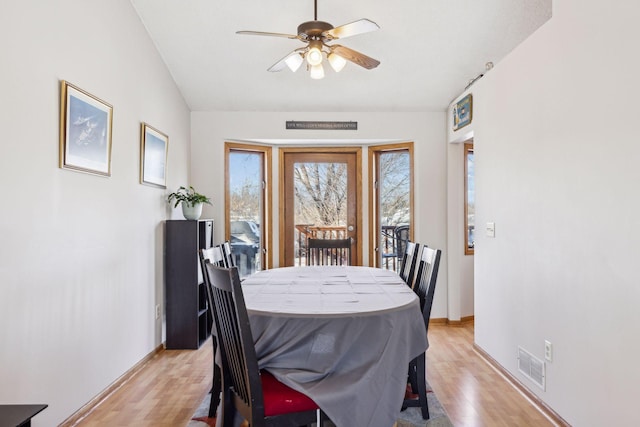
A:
(463, 112)
(153, 156)
(86, 123)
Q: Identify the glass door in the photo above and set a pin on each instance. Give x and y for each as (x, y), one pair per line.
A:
(392, 203)
(320, 201)
(246, 211)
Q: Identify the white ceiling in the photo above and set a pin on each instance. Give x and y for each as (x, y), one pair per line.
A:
(429, 51)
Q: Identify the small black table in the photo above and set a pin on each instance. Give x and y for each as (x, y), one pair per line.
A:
(18, 415)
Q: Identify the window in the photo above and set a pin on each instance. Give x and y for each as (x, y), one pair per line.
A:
(247, 205)
(391, 202)
(469, 199)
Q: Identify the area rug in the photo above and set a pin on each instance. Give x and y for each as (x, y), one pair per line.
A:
(410, 417)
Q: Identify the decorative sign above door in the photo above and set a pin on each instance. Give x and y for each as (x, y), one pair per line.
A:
(292, 124)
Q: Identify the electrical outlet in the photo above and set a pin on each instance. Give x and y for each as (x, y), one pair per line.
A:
(548, 350)
(157, 311)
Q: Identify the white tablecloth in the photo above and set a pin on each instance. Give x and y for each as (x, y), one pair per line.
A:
(342, 335)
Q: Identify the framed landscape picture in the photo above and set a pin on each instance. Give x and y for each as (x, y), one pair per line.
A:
(462, 112)
(153, 156)
(85, 131)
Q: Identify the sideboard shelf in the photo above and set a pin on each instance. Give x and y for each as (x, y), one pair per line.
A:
(188, 322)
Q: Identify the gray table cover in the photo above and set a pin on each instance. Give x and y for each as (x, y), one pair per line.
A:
(344, 336)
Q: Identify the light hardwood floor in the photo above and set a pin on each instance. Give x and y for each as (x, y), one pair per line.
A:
(471, 391)
(169, 388)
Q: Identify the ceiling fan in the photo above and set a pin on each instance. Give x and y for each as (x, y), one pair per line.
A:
(316, 34)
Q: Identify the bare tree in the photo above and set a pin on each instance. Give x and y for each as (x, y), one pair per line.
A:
(394, 181)
(245, 201)
(321, 193)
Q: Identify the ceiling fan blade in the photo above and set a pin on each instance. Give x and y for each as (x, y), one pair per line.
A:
(355, 57)
(261, 33)
(282, 64)
(354, 28)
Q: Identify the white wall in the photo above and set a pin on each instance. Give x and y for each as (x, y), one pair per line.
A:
(209, 131)
(461, 287)
(557, 169)
(81, 255)
(461, 283)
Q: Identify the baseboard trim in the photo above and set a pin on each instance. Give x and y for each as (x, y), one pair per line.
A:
(552, 415)
(81, 413)
(456, 323)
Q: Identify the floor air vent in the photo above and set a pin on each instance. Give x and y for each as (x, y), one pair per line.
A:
(531, 367)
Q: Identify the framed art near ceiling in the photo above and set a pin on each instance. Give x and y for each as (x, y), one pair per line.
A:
(462, 112)
(85, 131)
(153, 156)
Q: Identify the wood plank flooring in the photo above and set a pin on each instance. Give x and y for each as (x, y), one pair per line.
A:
(169, 388)
(164, 393)
(471, 391)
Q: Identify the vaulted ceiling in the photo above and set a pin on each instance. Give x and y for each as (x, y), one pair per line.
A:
(429, 50)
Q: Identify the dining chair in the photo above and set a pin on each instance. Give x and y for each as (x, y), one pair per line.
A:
(399, 237)
(229, 258)
(329, 251)
(214, 256)
(425, 286)
(401, 234)
(408, 263)
(255, 394)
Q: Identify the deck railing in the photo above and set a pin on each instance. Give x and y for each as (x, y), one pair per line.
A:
(306, 231)
(387, 244)
(388, 247)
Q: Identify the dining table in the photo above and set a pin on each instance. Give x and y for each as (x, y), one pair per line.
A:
(342, 335)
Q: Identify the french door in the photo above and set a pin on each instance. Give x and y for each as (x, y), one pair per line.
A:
(320, 198)
(391, 202)
(248, 205)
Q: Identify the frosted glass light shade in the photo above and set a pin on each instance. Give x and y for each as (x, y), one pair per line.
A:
(317, 72)
(294, 62)
(337, 62)
(314, 56)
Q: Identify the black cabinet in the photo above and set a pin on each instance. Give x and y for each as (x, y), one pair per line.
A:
(188, 319)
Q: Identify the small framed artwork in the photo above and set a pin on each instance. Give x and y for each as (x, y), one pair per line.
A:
(153, 156)
(85, 131)
(462, 112)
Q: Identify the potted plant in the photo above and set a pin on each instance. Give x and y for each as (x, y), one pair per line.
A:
(191, 201)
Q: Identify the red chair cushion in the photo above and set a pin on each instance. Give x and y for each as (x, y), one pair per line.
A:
(281, 399)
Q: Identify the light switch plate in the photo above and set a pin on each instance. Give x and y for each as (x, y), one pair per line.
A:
(491, 229)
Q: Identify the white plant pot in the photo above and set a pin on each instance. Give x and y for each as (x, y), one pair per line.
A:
(191, 212)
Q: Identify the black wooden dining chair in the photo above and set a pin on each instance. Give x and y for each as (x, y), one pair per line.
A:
(329, 251)
(425, 286)
(409, 261)
(255, 394)
(399, 238)
(214, 256)
(229, 256)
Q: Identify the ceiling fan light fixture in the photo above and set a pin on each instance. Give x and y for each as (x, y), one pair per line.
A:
(337, 62)
(316, 72)
(316, 35)
(294, 61)
(314, 55)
